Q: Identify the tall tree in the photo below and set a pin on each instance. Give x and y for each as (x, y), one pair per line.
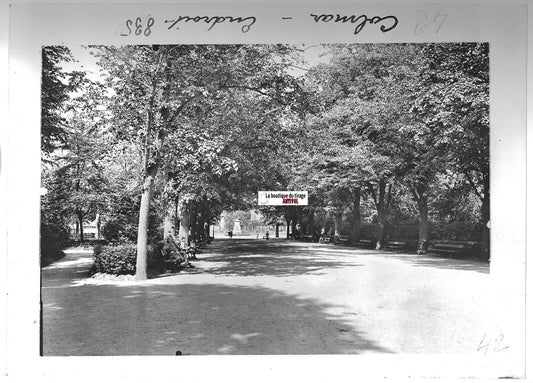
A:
(456, 104)
(56, 86)
(169, 83)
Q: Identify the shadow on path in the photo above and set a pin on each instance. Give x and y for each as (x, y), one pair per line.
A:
(199, 319)
(284, 258)
(74, 266)
(276, 258)
(439, 262)
(197, 316)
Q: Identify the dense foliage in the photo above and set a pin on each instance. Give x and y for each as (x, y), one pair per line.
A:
(390, 140)
(54, 238)
(117, 260)
(121, 259)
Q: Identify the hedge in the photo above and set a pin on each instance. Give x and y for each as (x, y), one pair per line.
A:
(121, 259)
(54, 238)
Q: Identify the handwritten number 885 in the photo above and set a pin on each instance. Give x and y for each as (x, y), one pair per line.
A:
(138, 27)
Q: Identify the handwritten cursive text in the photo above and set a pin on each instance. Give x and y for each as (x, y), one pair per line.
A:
(360, 21)
(212, 21)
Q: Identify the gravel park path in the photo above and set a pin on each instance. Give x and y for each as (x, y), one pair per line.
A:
(249, 296)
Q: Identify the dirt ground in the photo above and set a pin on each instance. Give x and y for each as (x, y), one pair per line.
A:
(252, 296)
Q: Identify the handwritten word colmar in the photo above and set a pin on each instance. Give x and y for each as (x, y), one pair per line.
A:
(212, 21)
(360, 22)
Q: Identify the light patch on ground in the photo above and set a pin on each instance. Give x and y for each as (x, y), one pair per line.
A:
(270, 298)
(243, 338)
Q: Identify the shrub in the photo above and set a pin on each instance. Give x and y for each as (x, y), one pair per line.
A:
(119, 230)
(54, 238)
(111, 230)
(456, 231)
(121, 259)
(368, 231)
(116, 260)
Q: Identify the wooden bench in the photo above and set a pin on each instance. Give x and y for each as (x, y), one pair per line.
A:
(324, 240)
(399, 244)
(171, 263)
(395, 245)
(342, 240)
(188, 251)
(452, 248)
(306, 238)
(201, 244)
(368, 243)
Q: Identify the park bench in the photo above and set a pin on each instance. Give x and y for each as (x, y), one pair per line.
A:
(324, 240)
(201, 244)
(170, 262)
(342, 240)
(368, 243)
(306, 238)
(451, 248)
(188, 250)
(397, 244)
(173, 262)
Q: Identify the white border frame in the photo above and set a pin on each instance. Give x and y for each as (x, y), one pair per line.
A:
(503, 26)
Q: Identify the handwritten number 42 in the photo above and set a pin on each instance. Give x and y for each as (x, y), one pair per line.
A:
(424, 20)
(138, 28)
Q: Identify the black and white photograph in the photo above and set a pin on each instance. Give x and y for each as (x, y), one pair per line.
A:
(152, 239)
(354, 198)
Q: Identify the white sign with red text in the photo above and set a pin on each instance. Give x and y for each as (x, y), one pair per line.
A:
(282, 198)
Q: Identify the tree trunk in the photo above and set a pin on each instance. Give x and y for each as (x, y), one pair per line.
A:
(484, 197)
(169, 222)
(381, 210)
(288, 227)
(80, 221)
(311, 230)
(419, 191)
(356, 214)
(423, 224)
(98, 224)
(184, 223)
(193, 224)
(338, 223)
(151, 166)
(485, 218)
(200, 230)
(293, 227)
(142, 236)
(380, 231)
(277, 229)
